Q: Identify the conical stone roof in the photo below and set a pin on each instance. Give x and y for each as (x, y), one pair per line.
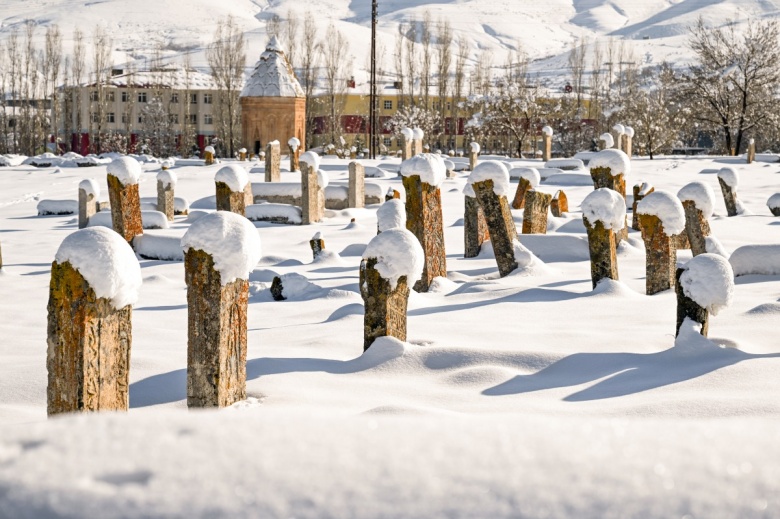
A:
(273, 75)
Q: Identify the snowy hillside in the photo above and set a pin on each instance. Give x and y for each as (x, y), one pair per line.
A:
(546, 30)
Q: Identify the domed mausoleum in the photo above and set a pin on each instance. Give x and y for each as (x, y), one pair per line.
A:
(273, 104)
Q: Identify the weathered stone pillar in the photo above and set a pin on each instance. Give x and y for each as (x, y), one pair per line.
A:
(317, 244)
(729, 180)
(547, 134)
(422, 176)
(386, 299)
(407, 136)
(208, 155)
(242, 154)
(231, 182)
(640, 191)
(310, 195)
(273, 162)
(628, 138)
(537, 205)
(619, 130)
(217, 306)
(500, 224)
(123, 176)
(687, 307)
(89, 192)
(608, 168)
(661, 256)
(603, 251)
(559, 204)
(523, 187)
(295, 152)
(606, 141)
(751, 151)
(356, 196)
(417, 142)
(475, 229)
(697, 228)
(473, 155)
(166, 183)
(90, 335)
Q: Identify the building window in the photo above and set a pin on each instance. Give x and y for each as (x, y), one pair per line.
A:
(141, 97)
(140, 119)
(174, 118)
(449, 105)
(193, 99)
(110, 117)
(193, 118)
(175, 97)
(93, 116)
(93, 95)
(110, 96)
(208, 119)
(388, 105)
(208, 99)
(125, 118)
(387, 142)
(125, 96)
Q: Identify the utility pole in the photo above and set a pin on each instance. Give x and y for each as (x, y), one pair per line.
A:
(373, 119)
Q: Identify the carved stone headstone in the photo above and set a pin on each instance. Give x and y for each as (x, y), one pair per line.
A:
(385, 307)
(523, 187)
(231, 189)
(122, 177)
(537, 205)
(661, 256)
(500, 224)
(697, 227)
(603, 252)
(89, 191)
(356, 196)
(166, 182)
(559, 204)
(687, 307)
(317, 245)
(392, 193)
(242, 154)
(273, 162)
(473, 155)
(640, 191)
(751, 151)
(424, 219)
(407, 136)
(547, 134)
(616, 181)
(475, 228)
(729, 197)
(311, 201)
(208, 155)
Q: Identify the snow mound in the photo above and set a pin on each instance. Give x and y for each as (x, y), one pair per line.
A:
(106, 261)
(234, 176)
(297, 287)
(391, 215)
(407, 133)
(667, 208)
(154, 220)
(167, 178)
(547, 131)
(311, 159)
(774, 201)
(294, 143)
(495, 171)
(158, 247)
(398, 253)
(418, 134)
(90, 187)
(530, 174)
(617, 161)
(708, 280)
(230, 239)
(756, 259)
(729, 176)
(429, 166)
(690, 340)
(609, 141)
(209, 149)
(629, 132)
(619, 129)
(474, 147)
(282, 213)
(57, 207)
(606, 206)
(525, 258)
(322, 179)
(700, 194)
(126, 169)
(713, 246)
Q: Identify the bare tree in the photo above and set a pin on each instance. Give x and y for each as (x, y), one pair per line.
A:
(227, 58)
(459, 82)
(443, 64)
(273, 26)
(101, 55)
(334, 50)
(290, 37)
(411, 59)
(12, 51)
(426, 38)
(77, 75)
(735, 79)
(596, 82)
(398, 56)
(52, 63)
(576, 64)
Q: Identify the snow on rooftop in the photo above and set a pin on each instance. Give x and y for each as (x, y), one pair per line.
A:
(398, 253)
(667, 208)
(708, 280)
(234, 176)
(170, 78)
(106, 261)
(429, 166)
(230, 239)
(614, 159)
(492, 170)
(606, 206)
(273, 76)
(701, 194)
(126, 169)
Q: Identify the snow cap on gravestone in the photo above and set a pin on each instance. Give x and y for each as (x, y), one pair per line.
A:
(701, 194)
(606, 206)
(609, 141)
(667, 208)
(234, 176)
(629, 132)
(474, 147)
(126, 169)
(167, 178)
(492, 170)
(418, 133)
(310, 158)
(429, 166)
(407, 133)
(90, 187)
(547, 131)
(398, 253)
(619, 129)
(616, 160)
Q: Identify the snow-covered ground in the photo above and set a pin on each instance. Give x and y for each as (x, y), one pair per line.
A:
(527, 396)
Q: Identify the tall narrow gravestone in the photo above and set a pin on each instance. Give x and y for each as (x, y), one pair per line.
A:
(392, 261)
(356, 194)
(547, 134)
(417, 141)
(273, 162)
(619, 131)
(609, 168)
(490, 182)
(536, 209)
(529, 179)
(606, 141)
(559, 204)
(295, 152)
(751, 151)
(640, 191)
(95, 278)
(603, 213)
(661, 217)
(704, 285)
(166, 183)
(473, 155)
(407, 136)
(312, 197)
(89, 204)
(220, 250)
(698, 201)
(475, 229)
(208, 155)
(123, 176)
(422, 176)
(231, 182)
(728, 178)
